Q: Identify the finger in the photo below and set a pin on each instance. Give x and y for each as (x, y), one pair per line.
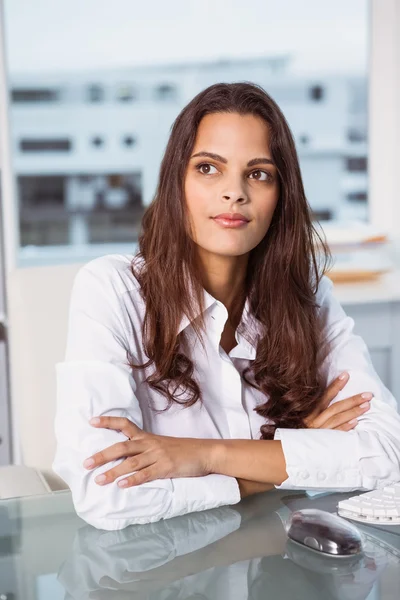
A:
(334, 388)
(350, 402)
(150, 473)
(341, 406)
(330, 393)
(130, 464)
(348, 426)
(114, 452)
(122, 424)
(346, 416)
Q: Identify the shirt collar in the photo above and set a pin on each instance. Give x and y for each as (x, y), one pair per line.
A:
(248, 333)
(248, 328)
(208, 301)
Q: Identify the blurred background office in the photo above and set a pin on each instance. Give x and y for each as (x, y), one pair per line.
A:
(94, 87)
(88, 93)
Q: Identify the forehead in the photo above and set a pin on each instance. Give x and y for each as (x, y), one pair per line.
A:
(231, 132)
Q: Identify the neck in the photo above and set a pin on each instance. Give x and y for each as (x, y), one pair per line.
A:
(224, 278)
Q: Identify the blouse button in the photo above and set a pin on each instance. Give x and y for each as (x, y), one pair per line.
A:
(305, 474)
(321, 476)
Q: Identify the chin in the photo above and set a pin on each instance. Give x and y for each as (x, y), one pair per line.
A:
(227, 251)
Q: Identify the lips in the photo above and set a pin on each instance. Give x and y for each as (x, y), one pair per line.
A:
(232, 217)
(231, 221)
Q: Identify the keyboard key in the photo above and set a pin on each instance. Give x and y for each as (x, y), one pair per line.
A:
(388, 496)
(378, 511)
(392, 511)
(349, 504)
(366, 509)
(374, 494)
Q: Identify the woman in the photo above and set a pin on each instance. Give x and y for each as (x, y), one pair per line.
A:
(205, 358)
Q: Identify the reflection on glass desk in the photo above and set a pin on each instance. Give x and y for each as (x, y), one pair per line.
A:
(235, 552)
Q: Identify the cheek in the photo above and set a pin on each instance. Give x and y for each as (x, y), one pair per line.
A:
(197, 199)
(265, 213)
(266, 205)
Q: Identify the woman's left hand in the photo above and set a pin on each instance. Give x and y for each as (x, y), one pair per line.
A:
(151, 456)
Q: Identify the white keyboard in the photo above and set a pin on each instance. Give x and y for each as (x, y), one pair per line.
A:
(377, 506)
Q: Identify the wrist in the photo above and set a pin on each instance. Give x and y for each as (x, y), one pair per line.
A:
(248, 488)
(215, 456)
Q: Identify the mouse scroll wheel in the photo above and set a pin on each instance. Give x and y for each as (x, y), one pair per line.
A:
(311, 543)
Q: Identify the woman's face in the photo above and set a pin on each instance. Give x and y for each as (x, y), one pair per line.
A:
(231, 171)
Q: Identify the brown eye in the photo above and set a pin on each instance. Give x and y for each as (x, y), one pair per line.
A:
(205, 169)
(260, 175)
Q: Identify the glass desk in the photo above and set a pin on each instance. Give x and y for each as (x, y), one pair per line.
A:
(234, 552)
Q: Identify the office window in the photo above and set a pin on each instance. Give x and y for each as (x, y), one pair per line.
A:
(129, 141)
(79, 209)
(125, 88)
(357, 134)
(126, 93)
(357, 196)
(166, 91)
(34, 95)
(304, 139)
(49, 145)
(95, 93)
(356, 164)
(317, 92)
(97, 141)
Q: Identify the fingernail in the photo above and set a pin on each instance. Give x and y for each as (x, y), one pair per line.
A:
(123, 483)
(100, 478)
(88, 463)
(94, 421)
(343, 376)
(364, 405)
(367, 395)
(353, 421)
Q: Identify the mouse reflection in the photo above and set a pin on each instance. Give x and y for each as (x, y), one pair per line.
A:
(225, 553)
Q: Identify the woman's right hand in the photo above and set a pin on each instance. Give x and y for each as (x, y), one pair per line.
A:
(341, 415)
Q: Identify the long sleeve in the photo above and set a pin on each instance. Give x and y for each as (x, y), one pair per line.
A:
(367, 457)
(95, 380)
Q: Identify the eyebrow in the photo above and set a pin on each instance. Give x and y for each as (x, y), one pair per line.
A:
(251, 163)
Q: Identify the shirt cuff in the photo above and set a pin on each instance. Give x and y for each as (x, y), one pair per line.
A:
(192, 494)
(320, 459)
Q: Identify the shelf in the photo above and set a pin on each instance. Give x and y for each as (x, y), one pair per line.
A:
(385, 289)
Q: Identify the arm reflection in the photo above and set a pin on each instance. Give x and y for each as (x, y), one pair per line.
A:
(223, 553)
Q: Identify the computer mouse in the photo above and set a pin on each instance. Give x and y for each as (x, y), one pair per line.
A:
(324, 532)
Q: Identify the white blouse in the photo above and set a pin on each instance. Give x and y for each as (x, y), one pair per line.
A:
(105, 321)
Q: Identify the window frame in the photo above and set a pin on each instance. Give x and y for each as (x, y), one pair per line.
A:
(383, 116)
(383, 155)
(383, 130)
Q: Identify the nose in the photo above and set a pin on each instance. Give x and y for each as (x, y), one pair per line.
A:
(234, 197)
(234, 191)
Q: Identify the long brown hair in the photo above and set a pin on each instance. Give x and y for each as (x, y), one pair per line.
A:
(283, 275)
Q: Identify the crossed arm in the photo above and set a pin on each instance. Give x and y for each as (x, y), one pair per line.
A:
(257, 464)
